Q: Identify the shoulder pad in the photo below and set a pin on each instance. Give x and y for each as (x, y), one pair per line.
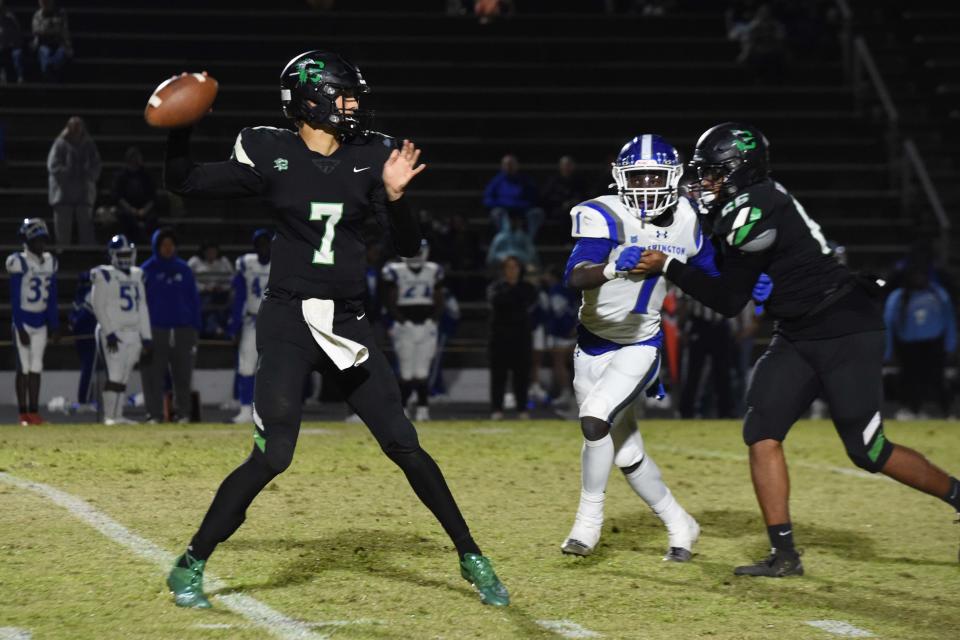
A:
(15, 263)
(389, 271)
(101, 272)
(596, 219)
(53, 260)
(250, 140)
(372, 137)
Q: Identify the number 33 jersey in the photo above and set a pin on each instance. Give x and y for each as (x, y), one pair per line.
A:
(33, 287)
(321, 204)
(627, 310)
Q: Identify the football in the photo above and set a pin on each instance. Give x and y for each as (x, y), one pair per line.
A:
(180, 101)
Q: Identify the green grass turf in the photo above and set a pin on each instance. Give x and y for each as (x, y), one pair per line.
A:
(340, 536)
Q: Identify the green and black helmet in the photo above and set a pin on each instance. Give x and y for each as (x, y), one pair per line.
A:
(310, 85)
(733, 156)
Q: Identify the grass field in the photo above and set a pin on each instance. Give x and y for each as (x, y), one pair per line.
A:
(341, 547)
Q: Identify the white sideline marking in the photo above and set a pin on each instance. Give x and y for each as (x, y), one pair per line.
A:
(319, 624)
(14, 633)
(253, 610)
(568, 629)
(840, 628)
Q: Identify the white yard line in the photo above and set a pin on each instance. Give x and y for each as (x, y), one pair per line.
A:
(568, 629)
(840, 628)
(14, 633)
(261, 615)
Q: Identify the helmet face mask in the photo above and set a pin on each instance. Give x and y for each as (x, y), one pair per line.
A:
(122, 252)
(729, 158)
(311, 86)
(647, 174)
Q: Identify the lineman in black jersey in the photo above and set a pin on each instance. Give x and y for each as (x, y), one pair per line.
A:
(828, 338)
(321, 182)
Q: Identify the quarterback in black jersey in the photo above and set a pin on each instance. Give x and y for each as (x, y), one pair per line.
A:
(321, 183)
(828, 338)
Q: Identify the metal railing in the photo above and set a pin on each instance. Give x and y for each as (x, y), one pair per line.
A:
(908, 170)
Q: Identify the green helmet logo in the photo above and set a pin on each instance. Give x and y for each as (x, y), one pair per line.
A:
(745, 140)
(309, 70)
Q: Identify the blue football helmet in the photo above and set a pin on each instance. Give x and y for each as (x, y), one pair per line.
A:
(122, 252)
(647, 172)
(32, 228)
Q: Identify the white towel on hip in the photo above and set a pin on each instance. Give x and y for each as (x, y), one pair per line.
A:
(345, 353)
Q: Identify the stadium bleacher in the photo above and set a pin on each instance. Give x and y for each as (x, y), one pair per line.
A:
(537, 84)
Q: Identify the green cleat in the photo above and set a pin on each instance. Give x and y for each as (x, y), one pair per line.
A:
(478, 571)
(186, 583)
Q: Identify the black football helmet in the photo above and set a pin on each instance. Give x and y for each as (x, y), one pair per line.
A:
(733, 155)
(320, 77)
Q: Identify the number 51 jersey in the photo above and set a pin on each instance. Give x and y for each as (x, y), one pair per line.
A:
(119, 300)
(627, 310)
(321, 204)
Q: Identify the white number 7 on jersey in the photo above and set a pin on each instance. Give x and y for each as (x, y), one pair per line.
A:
(332, 211)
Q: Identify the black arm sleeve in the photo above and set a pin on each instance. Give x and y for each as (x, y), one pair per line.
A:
(181, 175)
(727, 294)
(404, 227)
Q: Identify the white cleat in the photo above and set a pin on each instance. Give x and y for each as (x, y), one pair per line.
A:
(423, 414)
(115, 421)
(244, 417)
(583, 537)
(681, 536)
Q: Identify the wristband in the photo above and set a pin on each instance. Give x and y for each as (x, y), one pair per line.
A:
(666, 264)
(610, 271)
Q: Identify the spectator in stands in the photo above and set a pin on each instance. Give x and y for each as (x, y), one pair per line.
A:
(561, 321)
(11, 46)
(83, 322)
(51, 40)
(921, 333)
(511, 194)
(174, 304)
(563, 190)
(763, 46)
(135, 194)
(213, 273)
(74, 166)
(512, 302)
(512, 241)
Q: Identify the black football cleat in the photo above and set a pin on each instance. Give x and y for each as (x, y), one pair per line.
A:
(780, 563)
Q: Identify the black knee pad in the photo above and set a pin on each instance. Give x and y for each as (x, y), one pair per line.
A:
(760, 424)
(628, 470)
(276, 455)
(594, 428)
(871, 456)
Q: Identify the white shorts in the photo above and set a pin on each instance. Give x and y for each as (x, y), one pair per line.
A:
(120, 365)
(556, 342)
(607, 384)
(415, 344)
(539, 338)
(30, 357)
(247, 350)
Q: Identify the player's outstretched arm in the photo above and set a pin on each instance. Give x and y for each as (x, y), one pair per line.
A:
(398, 170)
(183, 176)
(727, 294)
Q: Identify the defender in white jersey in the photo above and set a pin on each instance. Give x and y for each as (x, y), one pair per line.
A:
(619, 336)
(123, 322)
(249, 282)
(414, 299)
(33, 298)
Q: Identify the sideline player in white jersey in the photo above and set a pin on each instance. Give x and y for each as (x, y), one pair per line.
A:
(33, 298)
(249, 282)
(619, 336)
(414, 299)
(123, 322)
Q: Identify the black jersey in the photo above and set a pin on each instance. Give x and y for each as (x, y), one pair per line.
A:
(766, 230)
(320, 204)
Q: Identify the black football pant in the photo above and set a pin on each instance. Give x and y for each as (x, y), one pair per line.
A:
(287, 354)
(845, 371)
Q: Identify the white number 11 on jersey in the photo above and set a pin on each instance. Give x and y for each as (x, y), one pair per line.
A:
(332, 211)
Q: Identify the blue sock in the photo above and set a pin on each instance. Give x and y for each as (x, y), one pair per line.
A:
(245, 389)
